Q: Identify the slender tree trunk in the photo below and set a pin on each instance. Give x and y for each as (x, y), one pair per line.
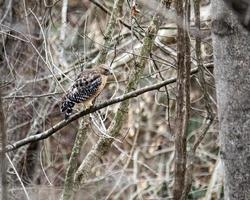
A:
(3, 163)
(182, 97)
(231, 42)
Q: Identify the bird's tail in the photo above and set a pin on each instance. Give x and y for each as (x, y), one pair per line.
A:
(67, 107)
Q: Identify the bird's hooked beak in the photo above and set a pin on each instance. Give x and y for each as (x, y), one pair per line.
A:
(110, 71)
(106, 70)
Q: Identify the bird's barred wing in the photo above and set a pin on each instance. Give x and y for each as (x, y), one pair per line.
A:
(84, 88)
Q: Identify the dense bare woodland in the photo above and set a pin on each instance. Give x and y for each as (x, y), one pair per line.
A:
(153, 132)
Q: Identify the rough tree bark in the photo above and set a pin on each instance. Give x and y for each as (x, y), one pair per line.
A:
(182, 97)
(231, 42)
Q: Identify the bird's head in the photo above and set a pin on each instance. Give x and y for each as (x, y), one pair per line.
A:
(104, 70)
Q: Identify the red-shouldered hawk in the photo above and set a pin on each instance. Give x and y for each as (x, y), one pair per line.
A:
(88, 85)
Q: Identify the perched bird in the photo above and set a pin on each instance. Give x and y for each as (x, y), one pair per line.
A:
(88, 85)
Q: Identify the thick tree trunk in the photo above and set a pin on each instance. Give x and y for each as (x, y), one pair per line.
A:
(231, 42)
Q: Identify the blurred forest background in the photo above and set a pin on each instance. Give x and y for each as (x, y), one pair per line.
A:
(45, 44)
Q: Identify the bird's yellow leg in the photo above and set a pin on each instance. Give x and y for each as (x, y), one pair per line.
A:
(88, 104)
(83, 106)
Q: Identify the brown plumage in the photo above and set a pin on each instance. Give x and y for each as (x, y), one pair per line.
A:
(88, 85)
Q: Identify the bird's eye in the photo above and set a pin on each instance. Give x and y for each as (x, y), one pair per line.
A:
(107, 71)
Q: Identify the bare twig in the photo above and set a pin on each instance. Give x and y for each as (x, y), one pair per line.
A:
(63, 29)
(210, 116)
(3, 165)
(19, 178)
(108, 12)
(109, 33)
(7, 10)
(34, 129)
(32, 96)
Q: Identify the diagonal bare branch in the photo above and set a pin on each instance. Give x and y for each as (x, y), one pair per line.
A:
(61, 124)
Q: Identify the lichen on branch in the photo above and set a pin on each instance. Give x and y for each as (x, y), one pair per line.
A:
(104, 143)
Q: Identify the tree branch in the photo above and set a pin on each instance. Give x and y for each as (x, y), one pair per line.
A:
(84, 122)
(61, 124)
(210, 116)
(3, 165)
(109, 13)
(182, 97)
(104, 143)
(81, 136)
